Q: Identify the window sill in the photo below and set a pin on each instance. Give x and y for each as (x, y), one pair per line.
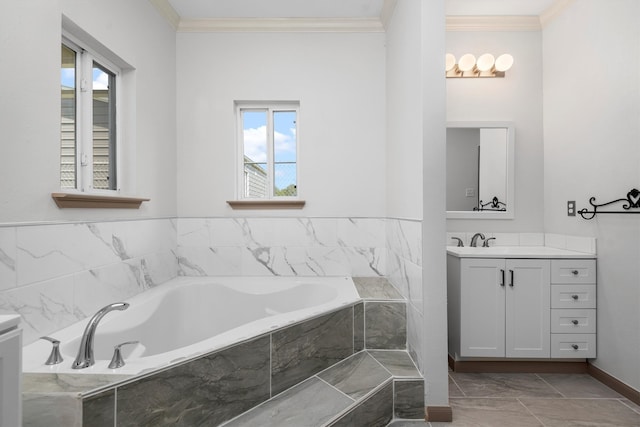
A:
(266, 204)
(72, 200)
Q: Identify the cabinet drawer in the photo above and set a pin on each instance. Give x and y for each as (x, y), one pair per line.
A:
(571, 321)
(573, 296)
(576, 346)
(573, 271)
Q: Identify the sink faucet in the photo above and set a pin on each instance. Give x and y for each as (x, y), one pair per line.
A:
(486, 242)
(474, 239)
(459, 240)
(85, 352)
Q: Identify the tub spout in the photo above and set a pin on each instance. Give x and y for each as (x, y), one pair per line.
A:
(85, 352)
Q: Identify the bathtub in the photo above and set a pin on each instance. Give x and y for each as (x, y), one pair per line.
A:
(191, 316)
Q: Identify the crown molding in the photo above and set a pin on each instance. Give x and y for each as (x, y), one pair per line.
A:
(556, 8)
(280, 25)
(388, 7)
(167, 11)
(493, 23)
(369, 25)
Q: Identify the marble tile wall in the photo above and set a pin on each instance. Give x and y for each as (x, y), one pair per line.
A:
(56, 274)
(404, 271)
(282, 246)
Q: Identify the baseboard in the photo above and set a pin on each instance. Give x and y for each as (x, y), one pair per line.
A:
(513, 366)
(442, 414)
(614, 383)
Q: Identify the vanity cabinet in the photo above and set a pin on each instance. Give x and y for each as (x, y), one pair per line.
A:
(504, 308)
(521, 308)
(573, 308)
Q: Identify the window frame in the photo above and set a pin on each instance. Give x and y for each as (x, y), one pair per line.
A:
(270, 107)
(85, 60)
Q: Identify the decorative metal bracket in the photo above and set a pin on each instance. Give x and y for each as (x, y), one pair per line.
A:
(493, 205)
(631, 205)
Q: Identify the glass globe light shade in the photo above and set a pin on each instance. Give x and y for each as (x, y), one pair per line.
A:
(485, 62)
(450, 62)
(504, 62)
(467, 62)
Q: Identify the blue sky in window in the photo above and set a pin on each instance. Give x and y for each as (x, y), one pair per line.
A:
(255, 141)
(67, 78)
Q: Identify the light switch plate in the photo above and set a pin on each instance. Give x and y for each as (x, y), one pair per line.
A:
(571, 208)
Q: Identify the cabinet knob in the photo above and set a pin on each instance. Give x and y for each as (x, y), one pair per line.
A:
(574, 272)
(575, 322)
(575, 297)
(574, 346)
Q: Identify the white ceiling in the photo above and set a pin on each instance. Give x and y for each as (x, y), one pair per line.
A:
(268, 9)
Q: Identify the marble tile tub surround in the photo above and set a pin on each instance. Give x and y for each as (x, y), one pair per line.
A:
(307, 348)
(216, 387)
(559, 241)
(56, 274)
(358, 391)
(282, 246)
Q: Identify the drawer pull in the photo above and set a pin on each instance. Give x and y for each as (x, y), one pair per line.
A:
(575, 297)
(574, 272)
(575, 322)
(574, 346)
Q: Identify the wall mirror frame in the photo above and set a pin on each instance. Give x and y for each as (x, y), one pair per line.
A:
(508, 211)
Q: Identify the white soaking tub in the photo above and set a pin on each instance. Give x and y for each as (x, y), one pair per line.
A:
(190, 316)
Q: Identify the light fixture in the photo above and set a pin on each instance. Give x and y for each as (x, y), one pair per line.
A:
(485, 66)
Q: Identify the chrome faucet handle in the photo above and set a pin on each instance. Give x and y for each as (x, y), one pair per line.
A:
(485, 244)
(54, 357)
(459, 240)
(117, 361)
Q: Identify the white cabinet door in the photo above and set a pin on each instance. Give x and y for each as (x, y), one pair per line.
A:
(482, 308)
(528, 308)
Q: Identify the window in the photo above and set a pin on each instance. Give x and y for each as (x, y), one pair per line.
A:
(88, 122)
(268, 150)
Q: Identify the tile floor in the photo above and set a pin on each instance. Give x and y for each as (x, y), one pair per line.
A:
(521, 400)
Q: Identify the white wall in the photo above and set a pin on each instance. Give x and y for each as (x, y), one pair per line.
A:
(30, 103)
(591, 148)
(339, 81)
(60, 265)
(416, 176)
(516, 98)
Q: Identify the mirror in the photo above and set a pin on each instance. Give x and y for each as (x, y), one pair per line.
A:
(480, 170)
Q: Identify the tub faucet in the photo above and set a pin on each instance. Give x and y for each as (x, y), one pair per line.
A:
(474, 239)
(85, 352)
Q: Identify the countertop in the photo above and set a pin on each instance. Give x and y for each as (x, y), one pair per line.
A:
(516, 252)
(8, 321)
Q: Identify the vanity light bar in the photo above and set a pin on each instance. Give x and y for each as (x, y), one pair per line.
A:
(485, 66)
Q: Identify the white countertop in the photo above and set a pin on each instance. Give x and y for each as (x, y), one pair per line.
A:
(8, 321)
(515, 252)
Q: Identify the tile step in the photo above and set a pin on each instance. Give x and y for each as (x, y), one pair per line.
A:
(367, 389)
